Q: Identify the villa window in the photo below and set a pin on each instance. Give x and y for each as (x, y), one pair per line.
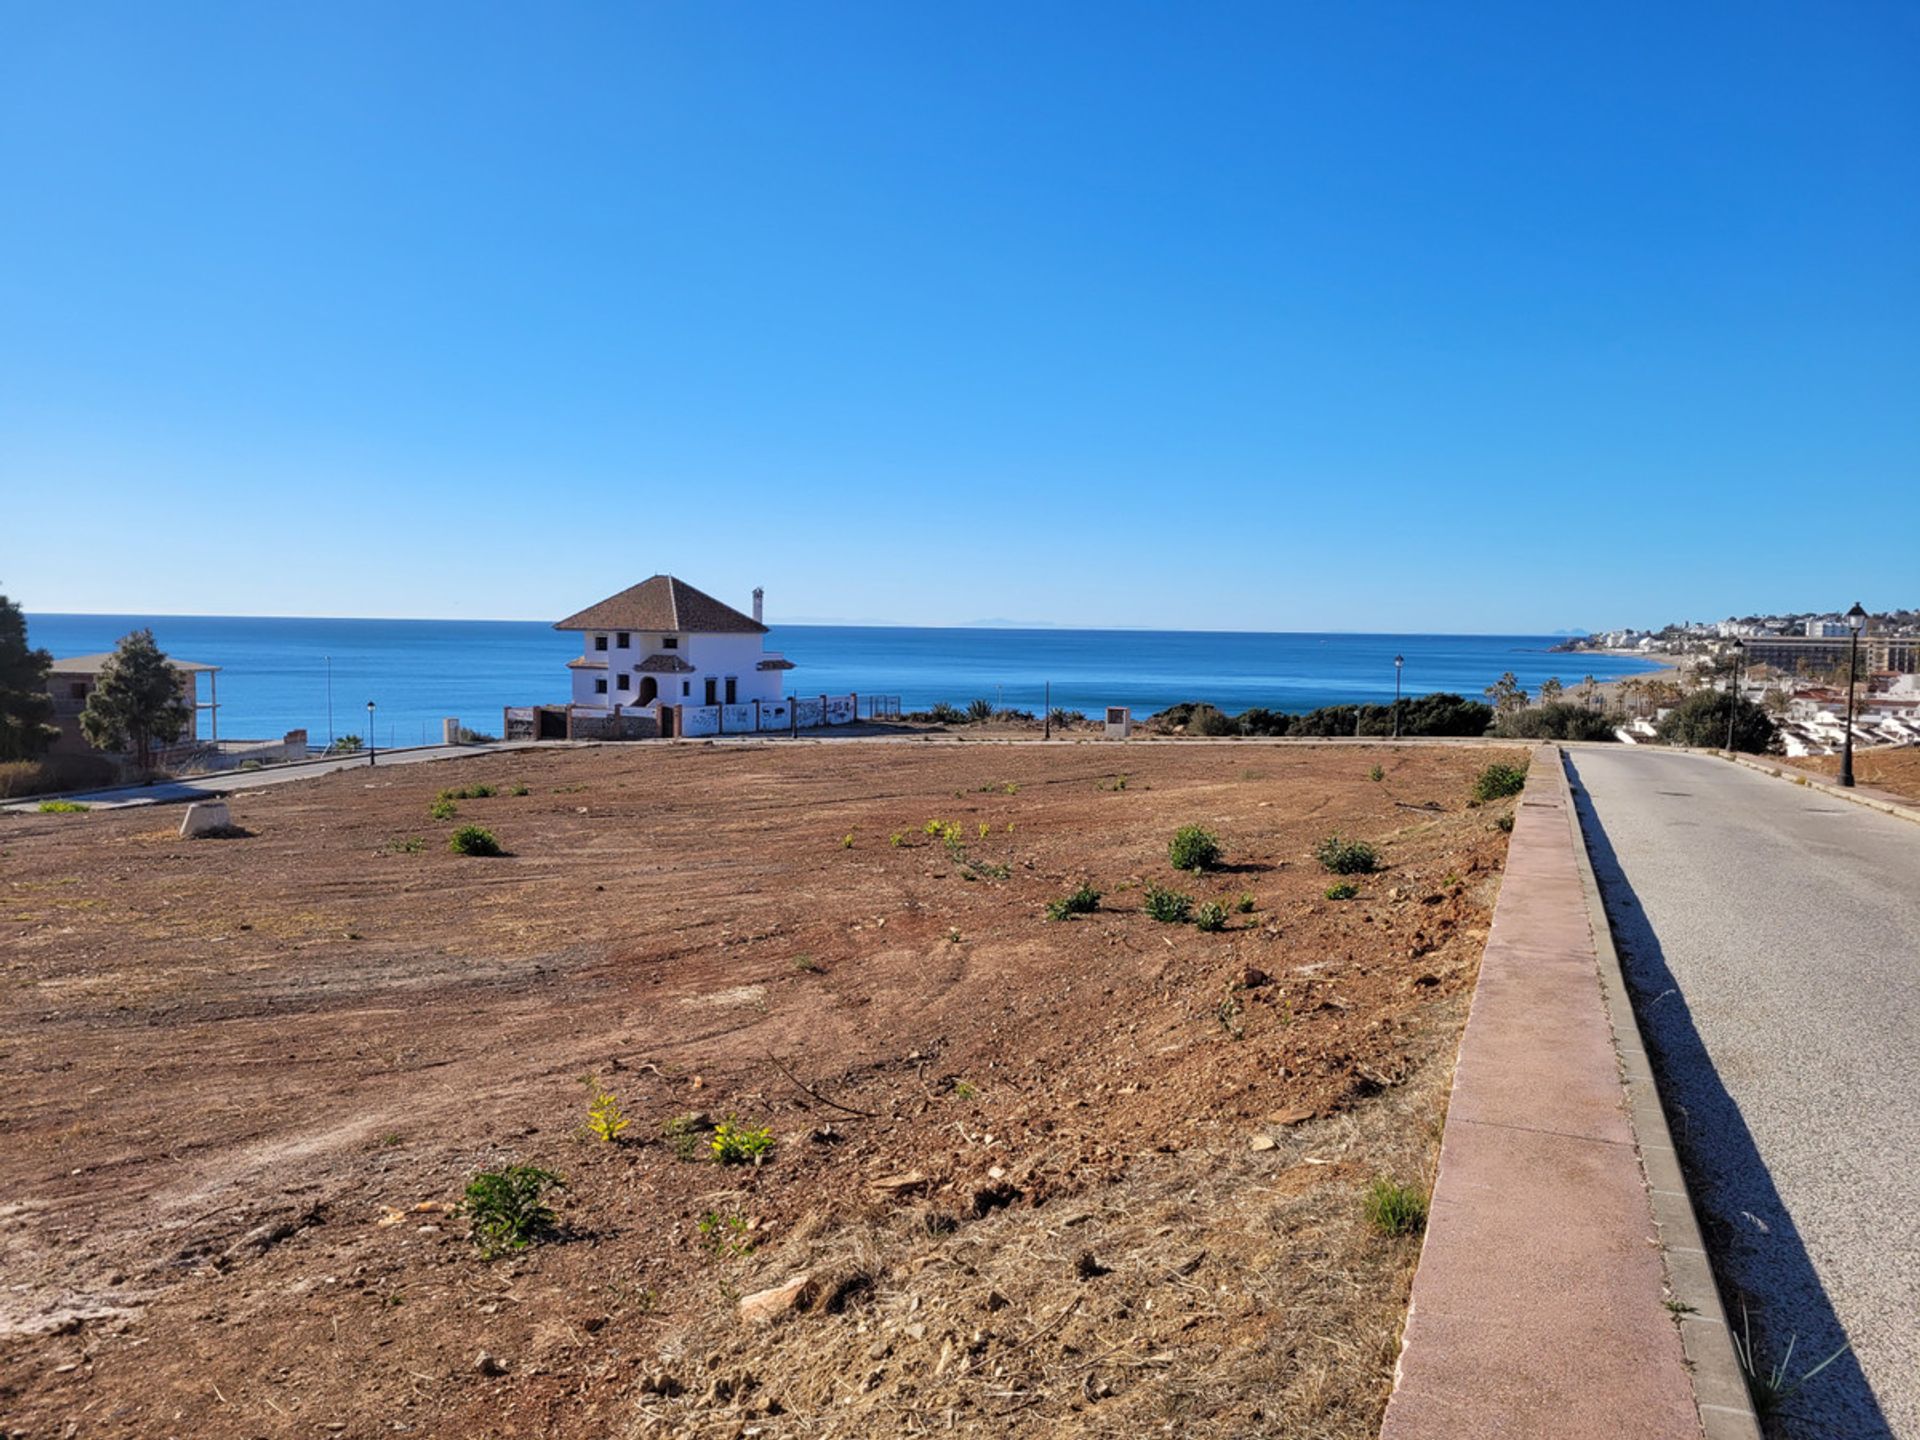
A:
(733, 689)
(621, 641)
(669, 642)
(623, 681)
(600, 686)
(686, 687)
(599, 642)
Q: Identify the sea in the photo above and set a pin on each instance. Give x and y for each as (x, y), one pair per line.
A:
(279, 674)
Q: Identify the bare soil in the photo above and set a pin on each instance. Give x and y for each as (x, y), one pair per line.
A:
(1895, 769)
(1014, 1162)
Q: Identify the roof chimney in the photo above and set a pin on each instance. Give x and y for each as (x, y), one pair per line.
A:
(759, 598)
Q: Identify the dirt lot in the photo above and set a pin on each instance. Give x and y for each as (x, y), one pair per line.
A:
(1897, 770)
(1094, 1177)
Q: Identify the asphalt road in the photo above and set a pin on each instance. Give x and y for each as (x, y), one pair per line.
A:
(1771, 935)
(200, 787)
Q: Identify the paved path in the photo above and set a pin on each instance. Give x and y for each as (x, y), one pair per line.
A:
(1771, 935)
(199, 787)
(1536, 1311)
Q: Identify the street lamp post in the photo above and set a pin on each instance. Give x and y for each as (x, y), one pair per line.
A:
(1733, 689)
(370, 745)
(1398, 662)
(1856, 622)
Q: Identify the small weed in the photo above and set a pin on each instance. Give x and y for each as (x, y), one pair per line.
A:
(520, 789)
(388, 1141)
(1083, 901)
(603, 1112)
(1677, 1308)
(443, 809)
(985, 829)
(1118, 782)
(63, 807)
(736, 1144)
(964, 1090)
(1210, 916)
(725, 1237)
(846, 841)
(1496, 782)
(1347, 857)
(1504, 824)
(953, 937)
(1229, 1013)
(506, 1210)
(1194, 847)
(470, 792)
(474, 840)
(1344, 890)
(682, 1134)
(1799, 779)
(408, 845)
(1395, 1209)
(1245, 903)
(1451, 882)
(898, 839)
(1376, 774)
(1169, 907)
(809, 964)
(1770, 1386)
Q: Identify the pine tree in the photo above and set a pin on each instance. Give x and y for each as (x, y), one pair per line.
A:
(25, 705)
(136, 702)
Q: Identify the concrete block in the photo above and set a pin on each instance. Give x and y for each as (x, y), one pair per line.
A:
(205, 817)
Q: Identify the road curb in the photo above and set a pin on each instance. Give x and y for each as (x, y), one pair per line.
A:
(1869, 798)
(1719, 1384)
(1538, 1308)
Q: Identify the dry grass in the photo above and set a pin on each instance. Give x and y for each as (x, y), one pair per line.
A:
(1213, 1292)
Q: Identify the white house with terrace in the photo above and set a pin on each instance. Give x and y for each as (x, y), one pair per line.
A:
(662, 642)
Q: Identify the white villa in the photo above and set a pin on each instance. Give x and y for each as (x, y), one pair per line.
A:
(662, 642)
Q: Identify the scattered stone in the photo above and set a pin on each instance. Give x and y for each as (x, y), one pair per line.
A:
(1262, 1142)
(1088, 1268)
(905, 1183)
(997, 1301)
(660, 1382)
(1293, 1115)
(765, 1306)
(485, 1364)
(1253, 977)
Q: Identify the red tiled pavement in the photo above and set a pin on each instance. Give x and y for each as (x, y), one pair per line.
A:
(1537, 1306)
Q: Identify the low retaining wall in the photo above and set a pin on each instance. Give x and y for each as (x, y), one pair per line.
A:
(1537, 1310)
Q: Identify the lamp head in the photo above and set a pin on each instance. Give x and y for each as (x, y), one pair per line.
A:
(1856, 618)
(1398, 661)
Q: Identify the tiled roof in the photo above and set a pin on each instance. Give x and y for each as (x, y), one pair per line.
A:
(585, 664)
(664, 665)
(665, 605)
(776, 662)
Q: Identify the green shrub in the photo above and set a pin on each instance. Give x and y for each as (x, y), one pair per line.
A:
(406, 845)
(1245, 903)
(1504, 824)
(945, 714)
(473, 840)
(520, 789)
(443, 809)
(506, 1209)
(1496, 782)
(1083, 901)
(1210, 916)
(1169, 907)
(736, 1144)
(63, 807)
(979, 710)
(1395, 1209)
(1701, 719)
(477, 737)
(1347, 857)
(1376, 774)
(1559, 720)
(1344, 890)
(470, 792)
(1194, 848)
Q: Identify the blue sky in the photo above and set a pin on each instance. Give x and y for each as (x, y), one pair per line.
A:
(1265, 316)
